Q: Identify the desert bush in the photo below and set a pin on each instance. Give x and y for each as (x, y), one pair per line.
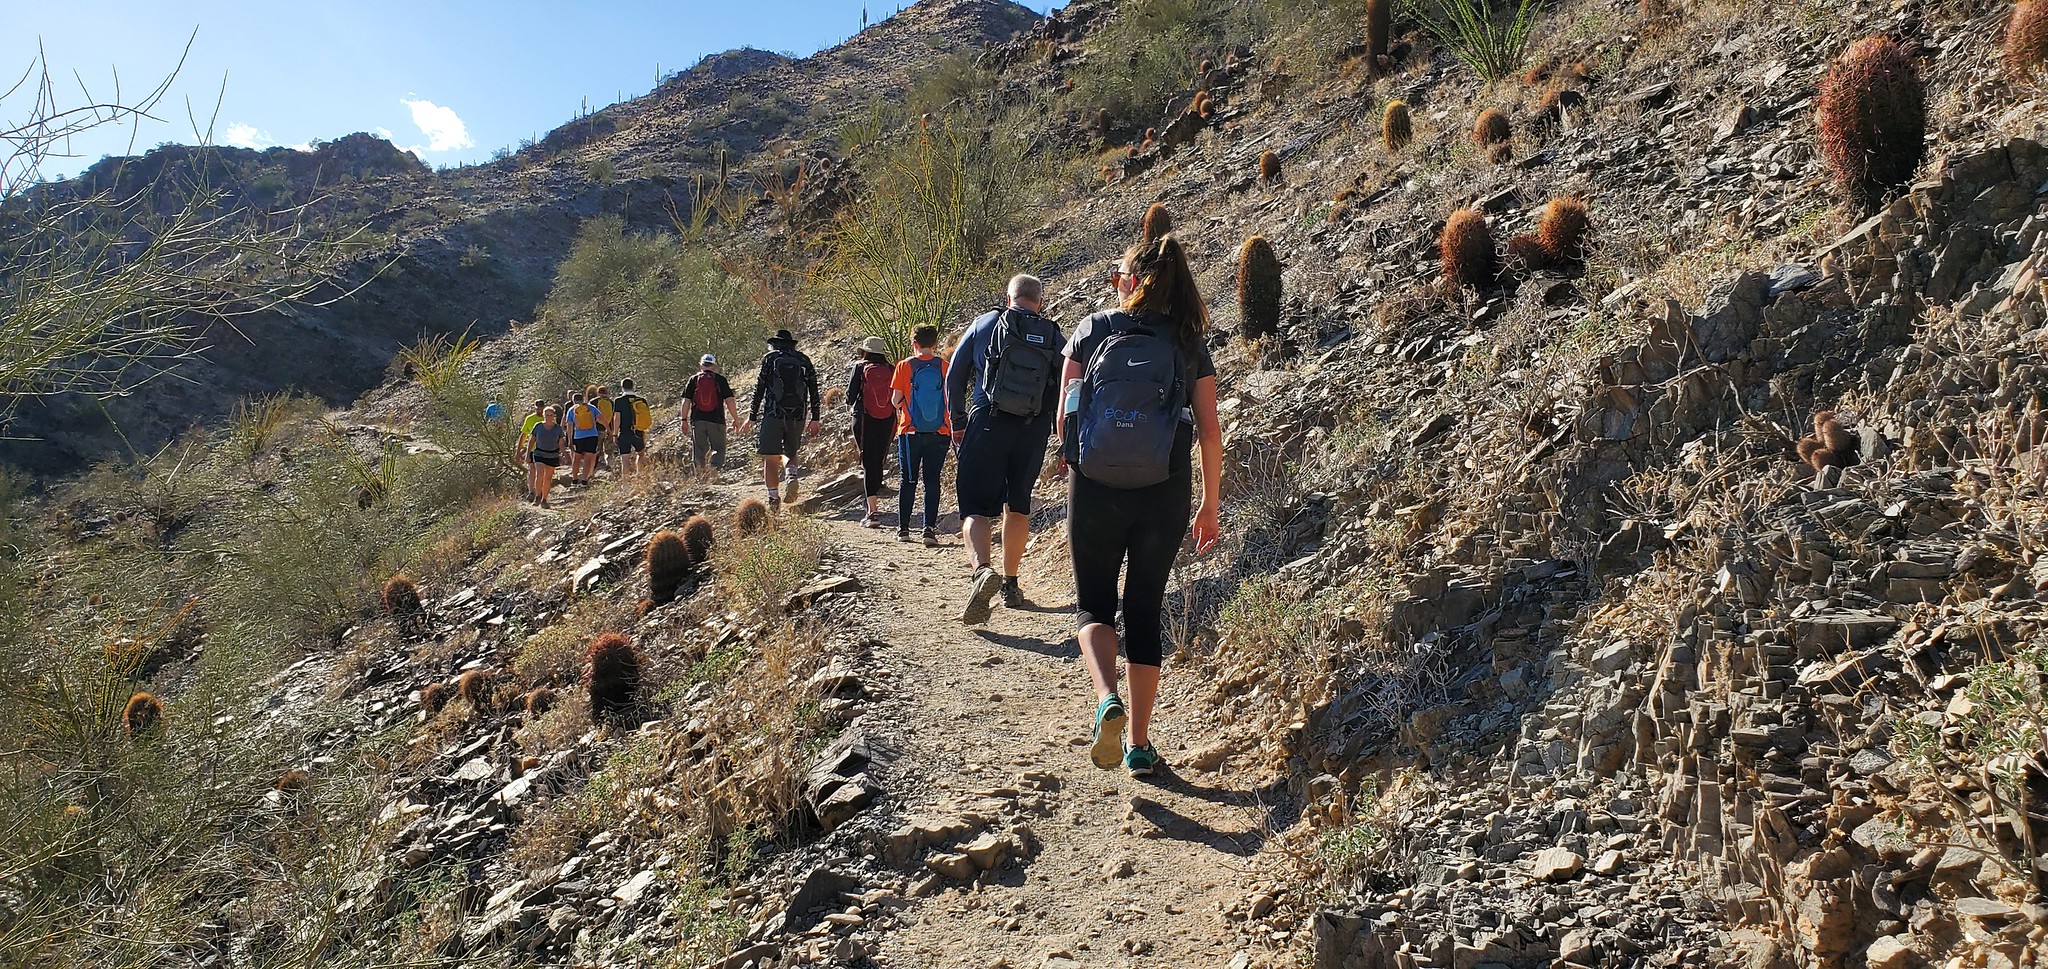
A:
(1494, 135)
(292, 781)
(668, 563)
(934, 230)
(1466, 250)
(435, 696)
(554, 655)
(1989, 765)
(2026, 38)
(456, 399)
(1872, 120)
(538, 701)
(1149, 51)
(750, 517)
(1563, 229)
(759, 570)
(1397, 129)
(1269, 167)
(614, 675)
(646, 304)
(1158, 222)
(1471, 30)
(1258, 287)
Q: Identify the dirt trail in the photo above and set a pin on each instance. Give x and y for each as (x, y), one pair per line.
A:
(1126, 871)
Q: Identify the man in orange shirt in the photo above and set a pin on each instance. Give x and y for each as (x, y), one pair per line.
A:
(924, 431)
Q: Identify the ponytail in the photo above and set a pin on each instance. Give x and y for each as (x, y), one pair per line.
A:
(1166, 286)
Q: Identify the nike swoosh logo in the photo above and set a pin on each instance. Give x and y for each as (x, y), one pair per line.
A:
(1136, 363)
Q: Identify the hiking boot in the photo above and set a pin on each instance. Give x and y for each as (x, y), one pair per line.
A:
(1013, 597)
(774, 501)
(903, 534)
(981, 597)
(1107, 751)
(931, 536)
(789, 490)
(1141, 760)
(868, 521)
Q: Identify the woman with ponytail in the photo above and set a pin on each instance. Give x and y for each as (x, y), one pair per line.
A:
(1141, 392)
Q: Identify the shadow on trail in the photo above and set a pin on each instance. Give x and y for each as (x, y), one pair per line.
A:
(1067, 648)
(1179, 827)
(1268, 809)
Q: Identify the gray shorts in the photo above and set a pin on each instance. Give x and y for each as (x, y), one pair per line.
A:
(782, 435)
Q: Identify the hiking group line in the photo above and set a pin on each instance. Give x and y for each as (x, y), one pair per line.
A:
(1122, 403)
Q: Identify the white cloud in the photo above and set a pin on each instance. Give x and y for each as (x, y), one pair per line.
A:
(242, 135)
(384, 133)
(444, 130)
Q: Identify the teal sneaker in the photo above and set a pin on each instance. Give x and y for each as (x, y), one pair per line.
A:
(1142, 760)
(1109, 733)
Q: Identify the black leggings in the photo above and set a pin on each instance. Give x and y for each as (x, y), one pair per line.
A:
(1108, 527)
(875, 434)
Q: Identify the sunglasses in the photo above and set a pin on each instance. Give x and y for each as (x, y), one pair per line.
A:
(1118, 275)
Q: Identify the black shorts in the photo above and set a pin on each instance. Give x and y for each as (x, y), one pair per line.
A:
(587, 445)
(632, 441)
(552, 459)
(999, 462)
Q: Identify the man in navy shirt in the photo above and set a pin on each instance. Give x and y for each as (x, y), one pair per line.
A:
(1003, 388)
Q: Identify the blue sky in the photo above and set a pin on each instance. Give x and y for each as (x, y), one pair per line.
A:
(453, 81)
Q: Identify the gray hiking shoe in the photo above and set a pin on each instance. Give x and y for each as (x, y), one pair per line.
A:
(981, 598)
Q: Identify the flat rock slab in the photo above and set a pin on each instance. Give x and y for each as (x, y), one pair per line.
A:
(1556, 865)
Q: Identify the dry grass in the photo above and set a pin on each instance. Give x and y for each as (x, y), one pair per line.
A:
(758, 571)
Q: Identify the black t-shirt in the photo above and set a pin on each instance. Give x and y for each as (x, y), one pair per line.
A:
(1088, 338)
(716, 415)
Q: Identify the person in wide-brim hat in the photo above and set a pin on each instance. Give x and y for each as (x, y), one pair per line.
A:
(875, 344)
(780, 337)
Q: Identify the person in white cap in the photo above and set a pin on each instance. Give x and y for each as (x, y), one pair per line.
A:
(711, 405)
(868, 396)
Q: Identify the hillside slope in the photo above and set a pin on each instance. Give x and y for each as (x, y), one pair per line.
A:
(1539, 637)
(474, 249)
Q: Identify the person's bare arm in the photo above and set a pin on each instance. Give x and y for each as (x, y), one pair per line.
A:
(1209, 432)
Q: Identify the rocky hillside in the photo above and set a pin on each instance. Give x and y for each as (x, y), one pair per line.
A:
(1680, 598)
(474, 249)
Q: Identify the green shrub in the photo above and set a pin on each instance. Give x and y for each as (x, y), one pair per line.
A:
(645, 304)
(1474, 31)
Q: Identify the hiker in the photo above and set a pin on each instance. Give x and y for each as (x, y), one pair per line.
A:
(607, 422)
(1141, 390)
(870, 396)
(706, 390)
(521, 452)
(634, 419)
(545, 455)
(585, 433)
(1002, 390)
(924, 431)
(787, 380)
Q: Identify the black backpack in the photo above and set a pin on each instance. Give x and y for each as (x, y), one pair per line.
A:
(1018, 367)
(1133, 397)
(785, 393)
